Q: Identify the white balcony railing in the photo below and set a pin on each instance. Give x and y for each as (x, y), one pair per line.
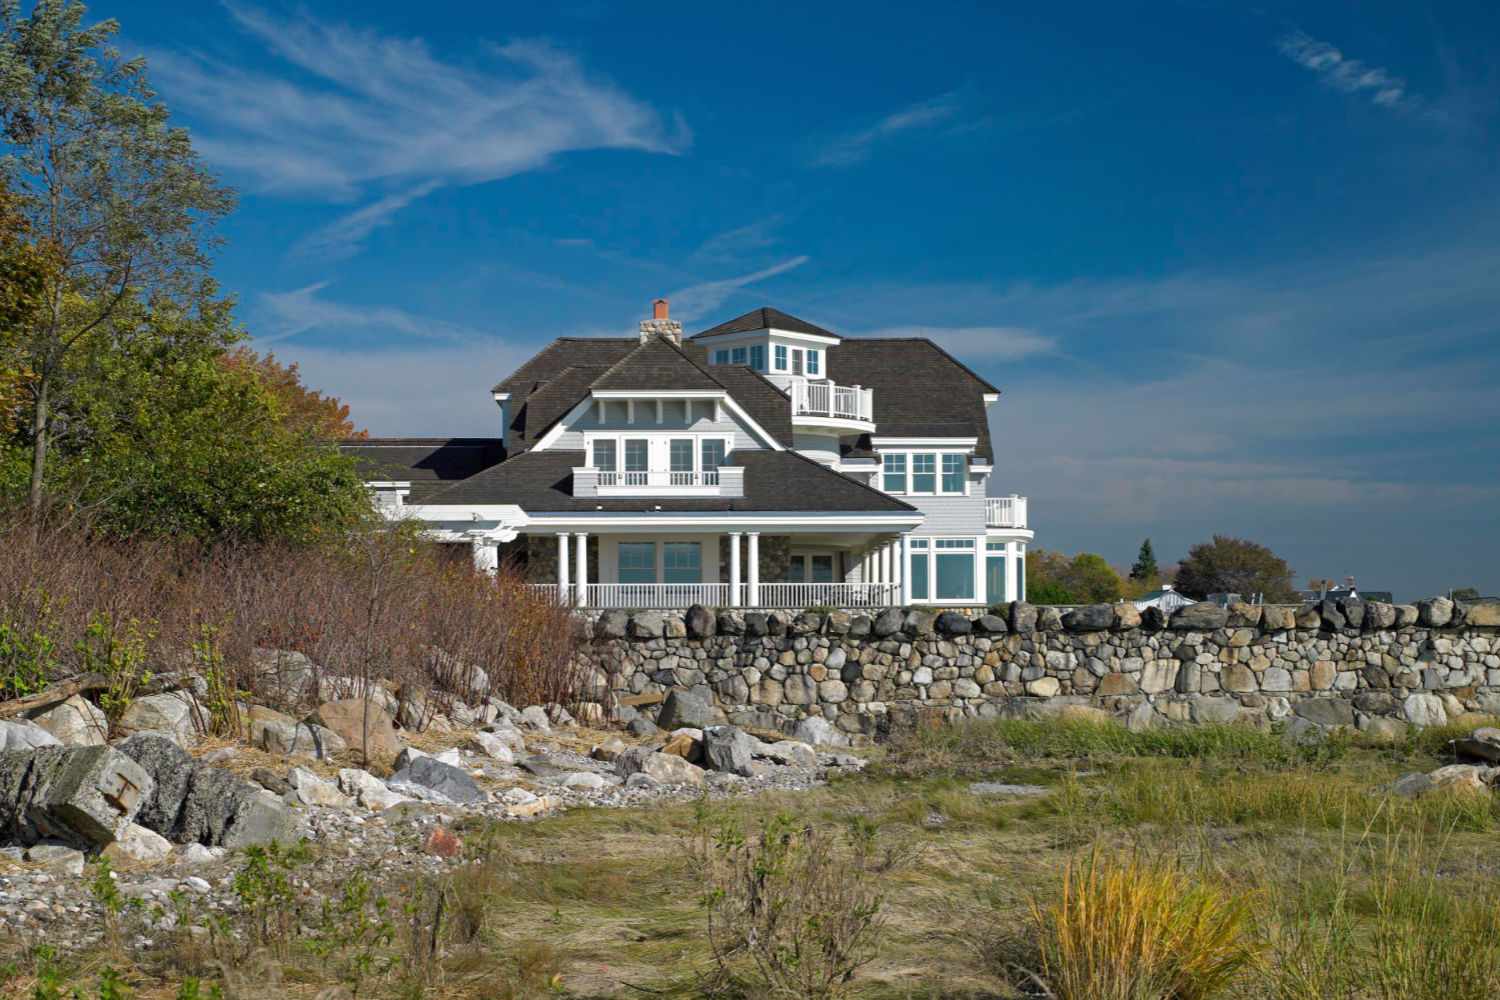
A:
(658, 477)
(825, 399)
(725, 481)
(676, 596)
(1005, 512)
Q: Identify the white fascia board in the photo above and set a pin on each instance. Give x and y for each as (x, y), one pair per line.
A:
(720, 339)
(507, 513)
(938, 444)
(785, 522)
(659, 394)
(750, 423)
(845, 424)
(991, 398)
(501, 397)
(387, 484)
(1010, 534)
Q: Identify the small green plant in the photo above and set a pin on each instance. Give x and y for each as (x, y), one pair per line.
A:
(106, 892)
(220, 699)
(117, 652)
(192, 989)
(264, 887)
(111, 986)
(793, 912)
(28, 648)
(353, 931)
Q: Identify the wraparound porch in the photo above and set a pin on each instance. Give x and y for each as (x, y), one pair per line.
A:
(772, 596)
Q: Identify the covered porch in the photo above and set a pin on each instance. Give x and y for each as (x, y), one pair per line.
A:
(730, 569)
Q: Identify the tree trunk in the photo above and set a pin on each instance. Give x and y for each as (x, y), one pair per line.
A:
(39, 443)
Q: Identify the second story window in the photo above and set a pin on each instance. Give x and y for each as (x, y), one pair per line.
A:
(637, 455)
(954, 474)
(758, 357)
(713, 454)
(721, 357)
(781, 357)
(740, 355)
(605, 455)
(894, 468)
(796, 362)
(812, 362)
(924, 473)
(680, 459)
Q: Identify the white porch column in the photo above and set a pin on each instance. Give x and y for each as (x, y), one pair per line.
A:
(486, 556)
(979, 573)
(753, 555)
(582, 541)
(1012, 572)
(904, 564)
(562, 567)
(885, 563)
(734, 569)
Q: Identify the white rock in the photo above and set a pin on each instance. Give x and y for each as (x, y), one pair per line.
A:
(77, 722)
(1425, 710)
(18, 734)
(517, 797)
(138, 844)
(368, 790)
(311, 790)
(56, 857)
(535, 717)
(793, 753)
(584, 780)
(819, 732)
(490, 746)
(451, 756)
(196, 884)
(171, 714)
(696, 734)
(197, 854)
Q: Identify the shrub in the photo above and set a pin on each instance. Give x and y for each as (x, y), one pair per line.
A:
(1132, 930)
(792, 912)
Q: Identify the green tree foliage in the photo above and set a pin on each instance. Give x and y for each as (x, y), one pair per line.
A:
(1465, 594)
(1087, 578)
(1235, 566)
(24, 271)
(114, 192)
(1145, 570)
(305, 408)
(164, 437)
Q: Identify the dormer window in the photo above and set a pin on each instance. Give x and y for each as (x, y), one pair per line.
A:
(739, 356)
(796, 361)
(812, 362)
(758, 357)
(721, 357)
(781, 357)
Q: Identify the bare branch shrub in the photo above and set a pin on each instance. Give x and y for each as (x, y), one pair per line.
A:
(379, 607)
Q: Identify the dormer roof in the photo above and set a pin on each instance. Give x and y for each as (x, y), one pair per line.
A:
(764, 318)
(657, 364)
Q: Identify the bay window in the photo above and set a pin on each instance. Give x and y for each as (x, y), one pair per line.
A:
(917, 572)
(994, 572)
(955, 569)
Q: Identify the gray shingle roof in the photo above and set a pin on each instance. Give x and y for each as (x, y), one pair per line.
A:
(762, 319)
(656, 364)
(418, 460)
(920, 389)
(542, 481)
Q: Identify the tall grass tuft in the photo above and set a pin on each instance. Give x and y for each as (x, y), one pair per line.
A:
(1136, 930)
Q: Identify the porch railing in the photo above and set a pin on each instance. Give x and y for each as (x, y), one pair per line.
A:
(658, 477)
(826, 399)
(675, 596)
(1005, 512)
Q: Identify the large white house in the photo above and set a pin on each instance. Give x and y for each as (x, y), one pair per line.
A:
(765, 462)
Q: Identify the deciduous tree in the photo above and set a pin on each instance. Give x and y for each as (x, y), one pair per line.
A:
(1228, 565)
(114, 191)
(306, 409)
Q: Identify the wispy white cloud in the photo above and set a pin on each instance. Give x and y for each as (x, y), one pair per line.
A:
(978, 343)
(694, 301)
(856, 147)
(749, 238)
(302, 310)
(356, 111)
(1349, 76)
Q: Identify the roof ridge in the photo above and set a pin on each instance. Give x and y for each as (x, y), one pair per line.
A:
(652, 343)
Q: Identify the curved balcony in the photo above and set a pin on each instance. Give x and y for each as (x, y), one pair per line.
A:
(842, 408)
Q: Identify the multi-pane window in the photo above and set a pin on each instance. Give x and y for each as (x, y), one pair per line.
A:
(994, 572)
(637, 454)
(954, 473)
(682, 562)
(758, 357)
(894, 467)
(680, 454)
(796, 361)
(812, 362)
(637, 562)
(605, 454)
(713, 454)
(740, 355)
(781, 357)
(721, 357)
(955, 569)
(924, 473)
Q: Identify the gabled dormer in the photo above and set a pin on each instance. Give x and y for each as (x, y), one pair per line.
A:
(793, 354)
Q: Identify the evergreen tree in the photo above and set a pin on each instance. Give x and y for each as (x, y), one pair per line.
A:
(1145, 564)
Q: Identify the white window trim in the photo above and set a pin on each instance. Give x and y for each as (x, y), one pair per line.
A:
(658, 446)
(972, 548)
(937, 485)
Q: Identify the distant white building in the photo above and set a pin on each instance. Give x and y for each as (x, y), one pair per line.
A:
(1166, 598)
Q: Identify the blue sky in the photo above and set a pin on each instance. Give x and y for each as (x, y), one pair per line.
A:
(1235, 270)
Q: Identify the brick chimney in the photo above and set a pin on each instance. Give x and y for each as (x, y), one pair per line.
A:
(659, 325)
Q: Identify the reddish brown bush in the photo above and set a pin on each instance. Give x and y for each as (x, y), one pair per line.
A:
(380, 607)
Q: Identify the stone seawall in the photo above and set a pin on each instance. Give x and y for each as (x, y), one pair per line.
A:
(1375, 666)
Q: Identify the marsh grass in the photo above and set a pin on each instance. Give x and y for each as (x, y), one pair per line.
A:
(1135, 929)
